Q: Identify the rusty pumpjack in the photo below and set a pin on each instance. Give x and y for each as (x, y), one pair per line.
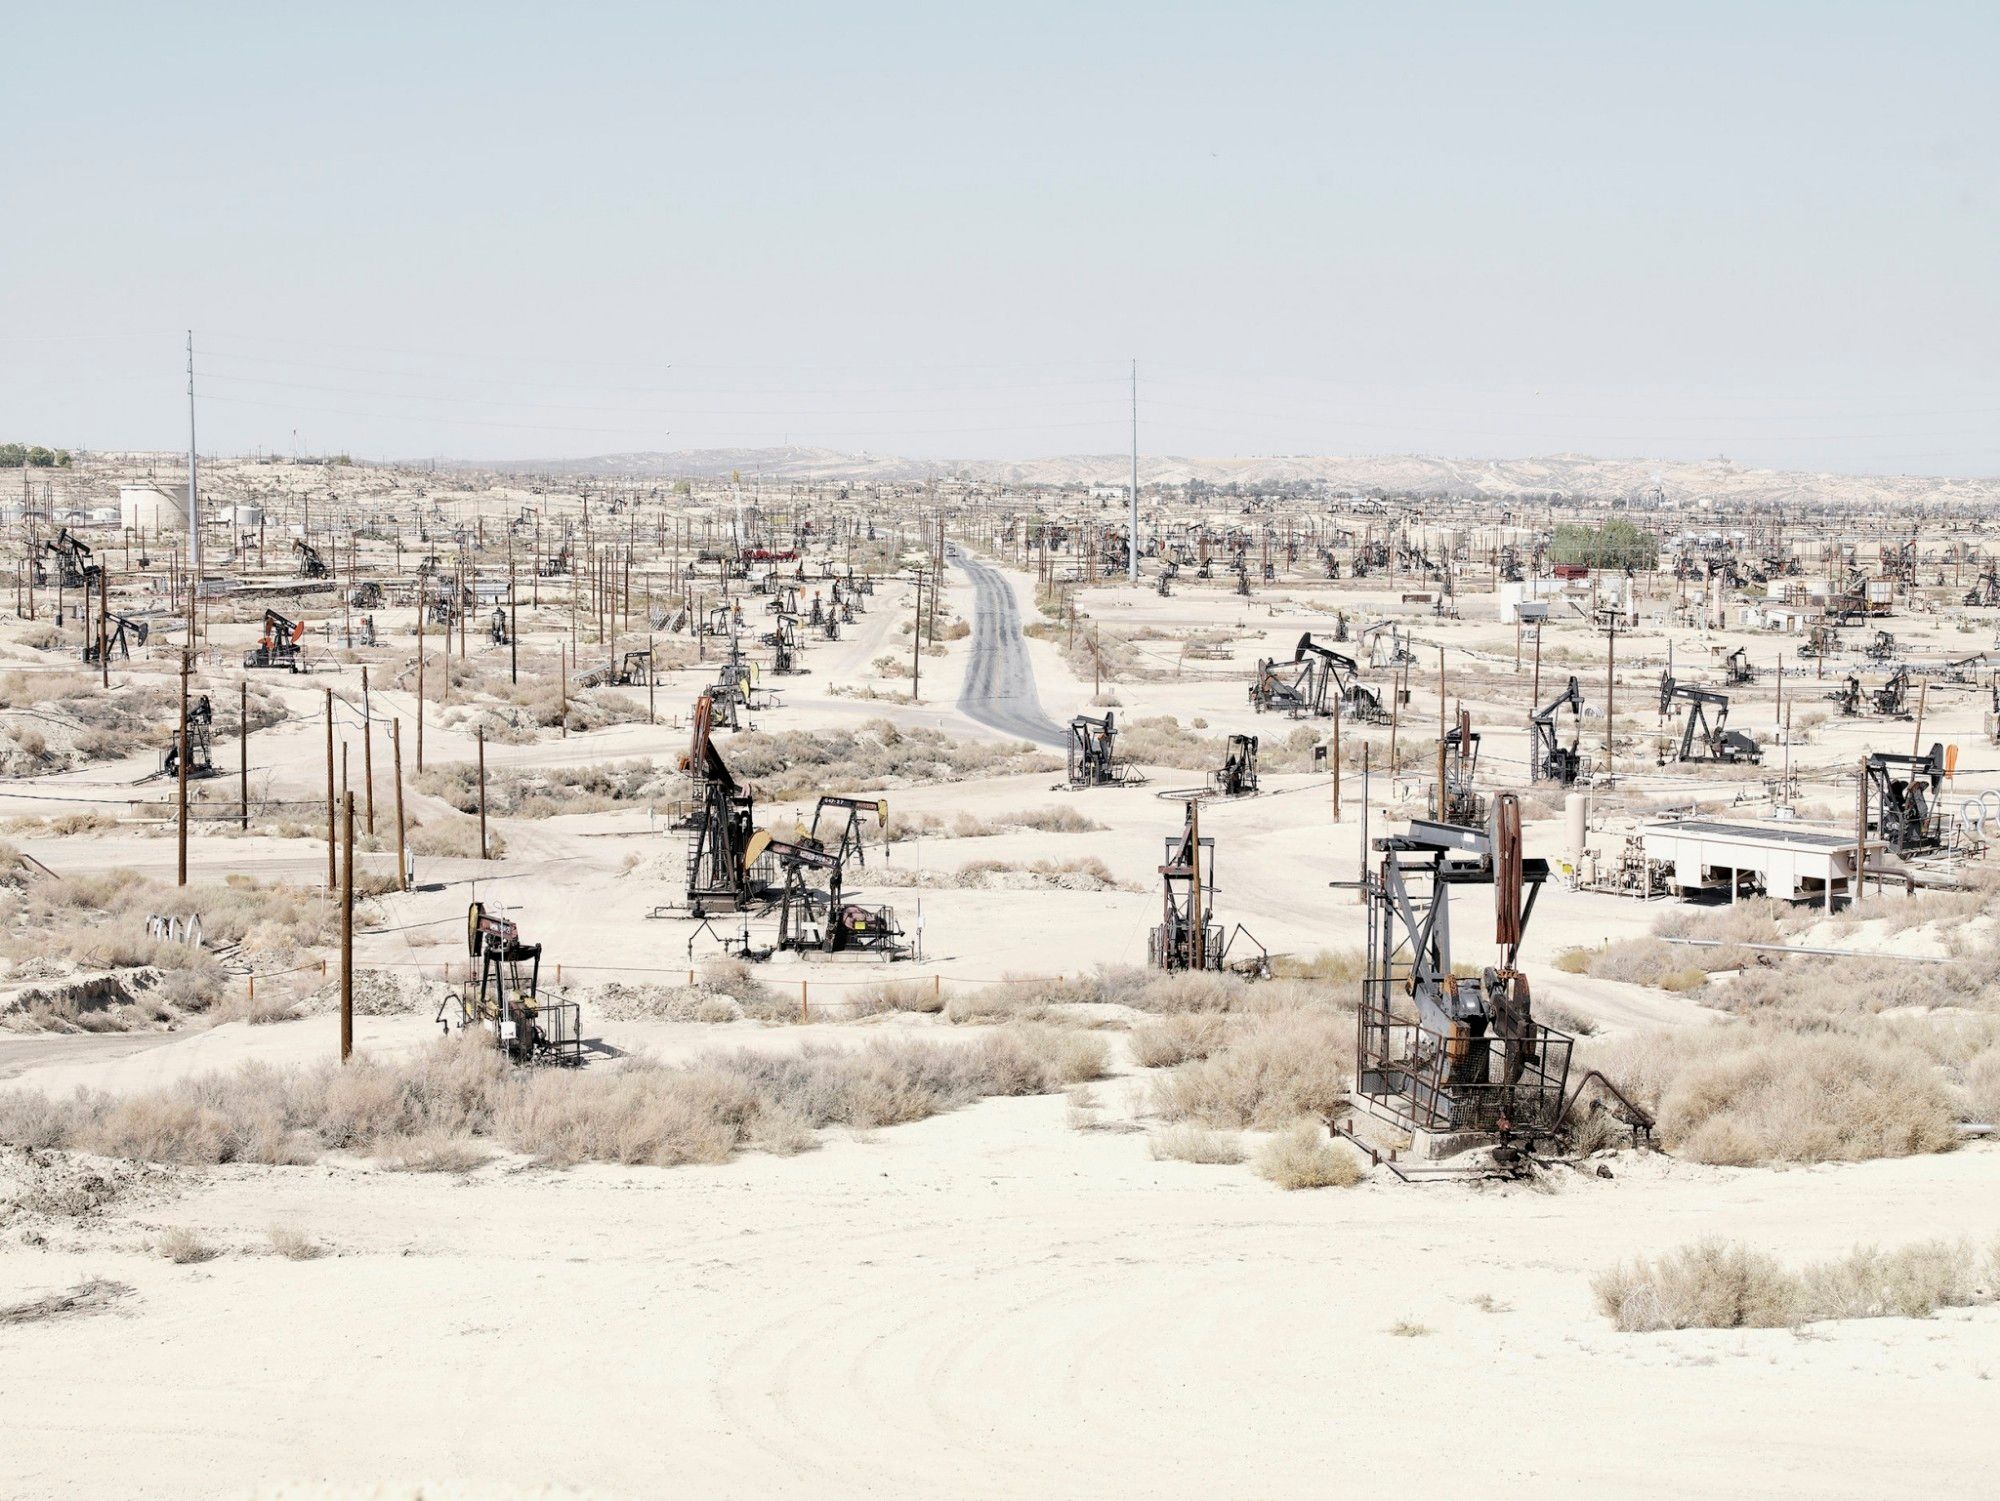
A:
(1737, 669)
(1554, 761)
(1440, 1054)
(1463, 805)
(1704, 738)
(1188, 937)
(1905, 791)
(278, 646)
(508, 1005)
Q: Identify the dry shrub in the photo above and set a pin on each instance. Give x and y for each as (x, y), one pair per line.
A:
(184, 1247)
(1331, 966)
(294, 1244)
(1982, 1088)
(925, 997)
(1748, 1094)
(790, 764)
(1186, 1143)
(92, 1295)
(546, 791)
(1649, 961)
(1177, 1038)
(434, 1111)
(1273, 1070)
(433, 1151)
(1301, 1156)
(452, 836)
(1724, 1285)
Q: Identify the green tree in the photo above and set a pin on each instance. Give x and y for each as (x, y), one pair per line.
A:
(1618, 543)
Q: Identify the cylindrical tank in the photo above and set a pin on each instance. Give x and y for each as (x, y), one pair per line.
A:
(1576, 823)
(246, 518)
(147, 509)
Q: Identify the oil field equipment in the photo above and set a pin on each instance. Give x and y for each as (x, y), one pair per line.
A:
(811, 918)
(1892, 699)
(1187, 937)
(1705, 733)
(1456, 1057)
(508, 1005)
(1881, 646)
(73, 562)
(1822, 640)
(724, 845)
(633, 670)
(1737, 669)
(366, 595)
(1847, 697)
(1462, 805)
(1306, 687)
(496, 627)
(1237, 775)
(1092, 753)
(1905, 792)
(200, 739)
(785, 645)
(1554, 761)
(127, 631)
(846, 812)
(311, 564)
(278, 646)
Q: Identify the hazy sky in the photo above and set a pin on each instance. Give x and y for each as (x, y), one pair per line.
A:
(1770, 231)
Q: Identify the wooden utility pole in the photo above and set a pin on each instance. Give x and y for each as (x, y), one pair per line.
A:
(347, 930)
(1199, 936)
(1336, 757)
(243, 746)
(513, 623)
(420, 676)
(402, 866)
(181, 762)
(482, 791)
(1610, 704)
(917, 641)
(1917, 738)
(1442, 803)
(368, 750)
(332, 872)
(104, 623)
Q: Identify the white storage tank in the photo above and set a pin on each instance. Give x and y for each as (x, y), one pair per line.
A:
(148, 509)
(246, 518)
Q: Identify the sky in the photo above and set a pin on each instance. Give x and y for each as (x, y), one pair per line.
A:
(1767, 231)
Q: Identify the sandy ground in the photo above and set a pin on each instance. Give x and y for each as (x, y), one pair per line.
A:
(993, 1302)
(989, 1303)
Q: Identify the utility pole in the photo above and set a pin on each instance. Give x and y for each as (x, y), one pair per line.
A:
(402, 867)
(243, 746)
(332, 871)
(194, 488)
(347, 931)
(181, 762)
(1200, 947)
(421, 609)
(917, 639)
(104, 622)
(368, 748)
(1132, 538)
(482, 791)
(1610, 702)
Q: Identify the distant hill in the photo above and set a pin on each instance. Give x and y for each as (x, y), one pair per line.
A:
(1571, 474)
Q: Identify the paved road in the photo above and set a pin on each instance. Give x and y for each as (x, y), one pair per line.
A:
(999, 689)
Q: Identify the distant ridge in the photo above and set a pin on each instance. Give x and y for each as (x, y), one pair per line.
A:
(1571, 474)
